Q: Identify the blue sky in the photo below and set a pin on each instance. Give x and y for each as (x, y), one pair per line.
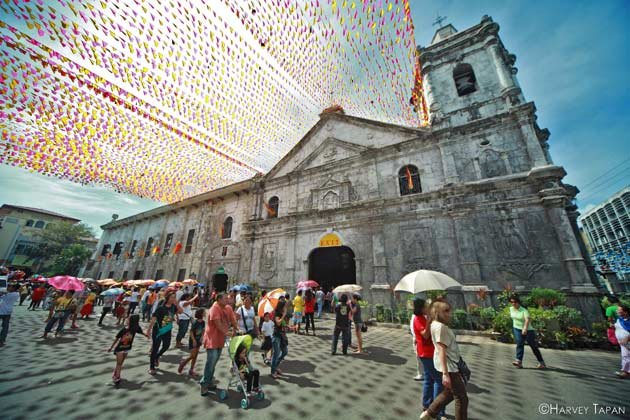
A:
(573, 63)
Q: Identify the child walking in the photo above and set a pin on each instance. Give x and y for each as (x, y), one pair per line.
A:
(266, 327)
(194, 343)
(246, 370)
(123, 342)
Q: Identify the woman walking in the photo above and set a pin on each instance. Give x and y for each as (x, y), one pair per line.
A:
(279, 340)
(358, 322)
(425, 352)
(60, 314)
(523, 331)
(86, 310)
(309, 310)
(445, 359)
(161, 326)
(622, 332)
(184, 318)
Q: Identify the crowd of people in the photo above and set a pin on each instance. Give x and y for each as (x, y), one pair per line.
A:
(228, 314)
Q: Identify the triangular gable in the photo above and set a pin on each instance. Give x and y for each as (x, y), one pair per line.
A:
(331, 150)
(344, 131)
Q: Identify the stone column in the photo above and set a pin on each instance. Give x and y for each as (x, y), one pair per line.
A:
(448, 166)
(378, 257)
(572, 258)
(534, 149)
(505, 78)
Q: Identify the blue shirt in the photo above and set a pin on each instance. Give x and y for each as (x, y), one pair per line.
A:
(7, 301)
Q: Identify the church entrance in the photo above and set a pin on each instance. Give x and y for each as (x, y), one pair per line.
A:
(332, 266)
(220, 280)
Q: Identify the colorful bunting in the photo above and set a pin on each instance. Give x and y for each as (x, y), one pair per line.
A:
(174, 98)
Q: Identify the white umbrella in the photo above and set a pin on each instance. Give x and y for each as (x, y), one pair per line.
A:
(423, 280)
(347, 288)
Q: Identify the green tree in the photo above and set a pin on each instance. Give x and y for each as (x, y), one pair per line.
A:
(55, 238)
(70, 260)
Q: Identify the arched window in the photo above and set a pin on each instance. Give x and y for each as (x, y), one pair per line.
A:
(272, 207)
(40, 224)
(465, 80)
(409, 180)
(30, 222)
(226, 231)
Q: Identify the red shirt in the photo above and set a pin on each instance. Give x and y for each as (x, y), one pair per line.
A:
(424, 346)
(309, 306)
(38, 294)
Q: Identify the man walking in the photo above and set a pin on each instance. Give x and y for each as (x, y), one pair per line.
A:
(6, 308)
(342, 325)
(319, 296)
(219, 320)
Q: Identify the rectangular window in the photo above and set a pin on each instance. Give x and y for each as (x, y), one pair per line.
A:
(133, 248)
(149, 248)
(181, 275)
(110, 275)
(189, 241)
(118, 249)
(106, 249)
(159, 274)
(167, 243)
(224, 251)
(138, 275)
(124, 276)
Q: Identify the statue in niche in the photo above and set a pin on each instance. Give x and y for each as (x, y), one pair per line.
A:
(491, 164)
(268, 258)
(330, 201)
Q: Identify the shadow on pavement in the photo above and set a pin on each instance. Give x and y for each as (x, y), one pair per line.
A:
(297, 366)
(384, 355)
(56, 341)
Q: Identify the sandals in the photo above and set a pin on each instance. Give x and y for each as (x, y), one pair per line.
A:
(518, 364)
(181, 366)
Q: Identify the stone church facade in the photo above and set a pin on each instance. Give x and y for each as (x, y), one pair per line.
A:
(475, 195)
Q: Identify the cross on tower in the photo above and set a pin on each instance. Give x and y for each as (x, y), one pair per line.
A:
(438, 20)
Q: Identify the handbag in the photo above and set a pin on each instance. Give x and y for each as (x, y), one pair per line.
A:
(464, 370)
(612, 338)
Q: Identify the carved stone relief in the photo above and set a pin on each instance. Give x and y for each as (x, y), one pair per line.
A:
(330, 201)
(509, 239)
(269, 260)
(418, 249)
(492, 164)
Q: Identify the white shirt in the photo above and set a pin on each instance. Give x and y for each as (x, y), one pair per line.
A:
(441, 333)
(179, 294)
(186, 311)
(145, 295)
(413, 334)
(319, 296)
(267, 328)
(134, 297)
(7, 301)
(239, 300)
(246, 321)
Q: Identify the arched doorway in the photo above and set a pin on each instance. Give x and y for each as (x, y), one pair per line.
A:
(332, 266)
(220, 280)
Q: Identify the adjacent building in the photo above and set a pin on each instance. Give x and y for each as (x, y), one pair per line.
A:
(19, 227)
(607, 228)
(475, 195)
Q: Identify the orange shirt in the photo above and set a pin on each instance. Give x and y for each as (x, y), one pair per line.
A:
(213, 337)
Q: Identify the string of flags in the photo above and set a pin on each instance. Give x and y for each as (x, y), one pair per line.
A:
(170, 99)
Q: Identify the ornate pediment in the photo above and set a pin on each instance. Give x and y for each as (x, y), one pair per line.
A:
(331, 150)
(332, 194)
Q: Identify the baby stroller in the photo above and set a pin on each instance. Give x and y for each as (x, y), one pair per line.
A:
(236, 381)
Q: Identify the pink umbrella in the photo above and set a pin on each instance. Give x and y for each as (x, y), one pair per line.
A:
(307, 284)
(66, 283)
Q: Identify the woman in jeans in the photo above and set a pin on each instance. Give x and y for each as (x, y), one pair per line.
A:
(279, 340)
(445, 359)
(523, 331)
(425, 351)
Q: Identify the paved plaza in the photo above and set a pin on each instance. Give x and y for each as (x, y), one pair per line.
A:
(70, 378)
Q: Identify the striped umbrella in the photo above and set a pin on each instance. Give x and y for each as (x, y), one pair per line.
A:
(270, 301)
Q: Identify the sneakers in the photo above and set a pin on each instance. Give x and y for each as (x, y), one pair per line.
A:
(425, 416)
(152, 372)
(418, 378)
(518, 364)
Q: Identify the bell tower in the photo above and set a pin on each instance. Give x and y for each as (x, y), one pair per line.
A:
(469, 76)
